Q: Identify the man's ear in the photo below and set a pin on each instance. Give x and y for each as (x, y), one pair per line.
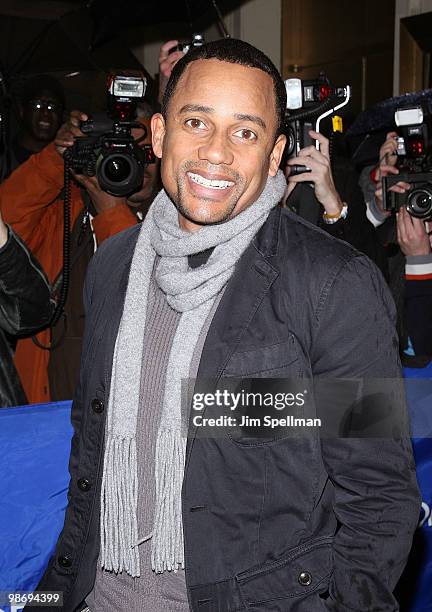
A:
(158, 133)
(276, 154)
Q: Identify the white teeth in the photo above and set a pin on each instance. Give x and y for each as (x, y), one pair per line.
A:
(200, 180)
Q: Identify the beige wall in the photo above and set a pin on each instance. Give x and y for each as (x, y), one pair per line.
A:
(405, 8)
(255, 21)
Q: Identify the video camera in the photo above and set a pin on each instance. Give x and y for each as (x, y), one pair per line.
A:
(108, 150)
(414, 145)
(308, 103)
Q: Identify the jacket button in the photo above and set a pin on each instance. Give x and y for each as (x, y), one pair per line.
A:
(65, 561)
(97, 405)
(305, 578)
(84, 484)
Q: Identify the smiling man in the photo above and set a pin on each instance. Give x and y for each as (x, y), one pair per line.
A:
(217, 158)
(41, 107)
(220, 281)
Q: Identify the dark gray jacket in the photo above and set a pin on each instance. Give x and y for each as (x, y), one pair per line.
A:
(288, 524)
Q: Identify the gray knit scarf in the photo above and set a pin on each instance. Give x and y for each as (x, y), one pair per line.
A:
(191, 292)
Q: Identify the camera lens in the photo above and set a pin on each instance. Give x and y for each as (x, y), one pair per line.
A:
(419, 202)
(119, 174)
(117, 169)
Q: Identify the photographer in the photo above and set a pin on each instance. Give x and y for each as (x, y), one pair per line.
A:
(412, 264)
(40, 108)
(25, 306)
(337, 191)
(414, 238)
(31, 200)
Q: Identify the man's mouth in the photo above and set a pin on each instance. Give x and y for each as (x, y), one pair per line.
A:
(209, 183)
(44, 125)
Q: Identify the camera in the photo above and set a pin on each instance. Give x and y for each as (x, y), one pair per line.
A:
(197, 41)
(108, 150)
(414, 145)
(417, 201)
(308, 102)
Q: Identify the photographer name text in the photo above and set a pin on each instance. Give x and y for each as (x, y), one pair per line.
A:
(246, 421)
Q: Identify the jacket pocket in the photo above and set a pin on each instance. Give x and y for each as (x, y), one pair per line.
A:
(301, 572)
(265, 361)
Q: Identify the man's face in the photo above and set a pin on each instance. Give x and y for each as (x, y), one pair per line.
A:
(151, 171)
(42, 116)
(218, 142)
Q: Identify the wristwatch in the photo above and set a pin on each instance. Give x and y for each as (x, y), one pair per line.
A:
(334, 218)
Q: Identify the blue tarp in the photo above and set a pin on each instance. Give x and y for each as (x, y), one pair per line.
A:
(417, 582)
(35, 447)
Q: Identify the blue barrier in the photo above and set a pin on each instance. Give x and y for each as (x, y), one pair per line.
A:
(415, 587)
(35, 446)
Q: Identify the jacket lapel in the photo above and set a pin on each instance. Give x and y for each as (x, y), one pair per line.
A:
(243, 295)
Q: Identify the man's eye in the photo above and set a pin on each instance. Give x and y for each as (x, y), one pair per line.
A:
(195, 124)
(246, 134)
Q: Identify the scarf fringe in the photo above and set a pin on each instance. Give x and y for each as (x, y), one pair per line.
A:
(119, 524)
(167, 552)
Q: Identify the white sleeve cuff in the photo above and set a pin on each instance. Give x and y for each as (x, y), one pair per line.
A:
(419, 267)
(374, 214)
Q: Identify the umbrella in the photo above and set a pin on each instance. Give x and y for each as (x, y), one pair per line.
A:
(381, 116)
(112, 18)
(63, 45)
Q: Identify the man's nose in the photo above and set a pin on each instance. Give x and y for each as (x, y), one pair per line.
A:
(45, 113)
(216, 149)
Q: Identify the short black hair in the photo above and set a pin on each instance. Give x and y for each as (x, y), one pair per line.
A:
(36, 85)
(233, 51)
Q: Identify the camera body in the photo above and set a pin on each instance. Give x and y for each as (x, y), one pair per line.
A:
(417, 201)
(108, 150)
(414, 145)
(197, 41)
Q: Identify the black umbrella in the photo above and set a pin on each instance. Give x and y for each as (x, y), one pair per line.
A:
(64, 45)
(114, 17)
(381, 116)
(61, 47)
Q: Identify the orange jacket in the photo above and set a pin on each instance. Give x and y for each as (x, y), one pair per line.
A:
(29, 203)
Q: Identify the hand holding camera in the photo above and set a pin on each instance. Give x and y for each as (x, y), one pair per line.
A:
(318, 171)
(411, 187)
(105, 145)
(169, 55)
(414, 236)
(70, 130)
(65, 138)
(388, 158)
